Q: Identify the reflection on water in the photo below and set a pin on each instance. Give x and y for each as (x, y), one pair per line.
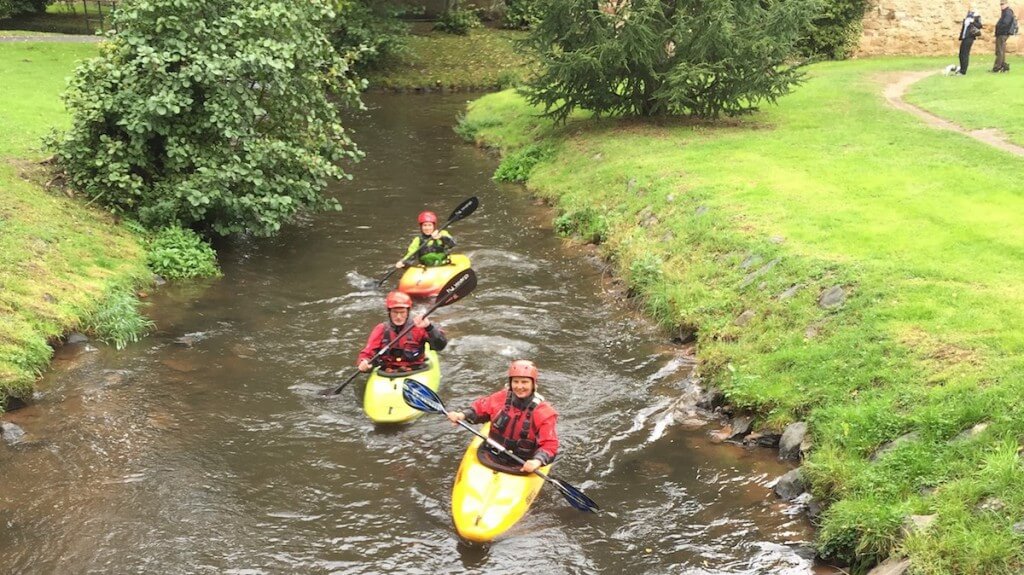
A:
(206, 449)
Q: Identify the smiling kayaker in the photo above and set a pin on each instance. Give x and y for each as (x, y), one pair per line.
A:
(520, 418)
(408, 353)
(430, 248)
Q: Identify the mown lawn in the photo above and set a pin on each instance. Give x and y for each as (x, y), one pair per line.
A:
(763, 215)
(483, 60)
(57, 258)
(978, 100)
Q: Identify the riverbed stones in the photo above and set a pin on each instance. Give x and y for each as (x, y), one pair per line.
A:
(159, 280)
(891, 566)
(972, 432)
(833, 297)
(789, 293)
(741, 426)
(11, 433)
(647, 218)
(792, 437)
(752, 276)
(1018, 528)
(886, 448)
(744, 318)
(790, 486)
(763, 439)
(75, 338)
(711, 399)
(750, 261)
(917, 523)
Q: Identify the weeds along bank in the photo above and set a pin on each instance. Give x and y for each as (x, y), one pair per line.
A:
(63, 266)
(843, 265)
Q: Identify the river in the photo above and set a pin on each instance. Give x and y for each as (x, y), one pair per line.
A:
(205, 448)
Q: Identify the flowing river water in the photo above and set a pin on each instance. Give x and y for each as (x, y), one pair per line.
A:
(206, 449)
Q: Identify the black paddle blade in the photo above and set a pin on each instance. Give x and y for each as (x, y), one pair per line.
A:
(457, 288)
(575, 497)
(421, 397)
(465, 208)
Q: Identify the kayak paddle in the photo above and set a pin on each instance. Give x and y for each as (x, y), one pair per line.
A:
(465, 208)
(457, 288)
(421, 397)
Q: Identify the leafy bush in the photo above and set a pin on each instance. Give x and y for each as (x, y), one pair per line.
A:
(644, 273)
(648, 57)
(521, 14)
(370, 32)
(587, 223)
(15, 7)
(177, 253)
(210, 114)
(457, 21)
(834, 30)
(516, 167)
(119, 321)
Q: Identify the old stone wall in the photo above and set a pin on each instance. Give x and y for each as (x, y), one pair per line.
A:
(929, 27)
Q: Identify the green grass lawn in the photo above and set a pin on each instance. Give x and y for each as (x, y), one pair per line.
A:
(485, 59)
(978, 100)
(57, 258)
(832, 188)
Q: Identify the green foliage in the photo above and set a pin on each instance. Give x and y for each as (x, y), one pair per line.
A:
(649, 57)
(865, 526)
(118, 321)
(370, 32)
(178, 253)
(833, 31)
(457, 21)
(521, 14)
(645, 273)
(587, 223)
(516, 167)
(210, 114)
(14, 7)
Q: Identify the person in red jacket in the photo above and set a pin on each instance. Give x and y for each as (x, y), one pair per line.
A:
(408, 353)
(520, 418)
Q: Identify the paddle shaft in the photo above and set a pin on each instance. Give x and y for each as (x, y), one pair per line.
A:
(507, 452)
(408, 327)
(464, 209)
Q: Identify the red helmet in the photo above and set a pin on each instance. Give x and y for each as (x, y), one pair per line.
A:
(398, 299)
(523, 368)
(427, 217)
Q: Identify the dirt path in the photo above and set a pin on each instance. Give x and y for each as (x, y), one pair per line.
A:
(897, 86)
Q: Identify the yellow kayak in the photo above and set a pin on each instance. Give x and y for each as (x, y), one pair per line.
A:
(382, 400)
(487, 502)
(424, 281)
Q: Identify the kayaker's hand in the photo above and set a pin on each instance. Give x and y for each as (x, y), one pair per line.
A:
(400, 264)
(531, 465)
(456, 416)
(365, 366)
(435, 235)
(421, 322)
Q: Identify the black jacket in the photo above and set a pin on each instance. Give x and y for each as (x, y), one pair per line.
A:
(1004, 23)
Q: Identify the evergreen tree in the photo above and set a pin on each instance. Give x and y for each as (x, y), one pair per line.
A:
(654, 57)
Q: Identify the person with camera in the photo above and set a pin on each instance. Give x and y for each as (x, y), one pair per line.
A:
(970, 29)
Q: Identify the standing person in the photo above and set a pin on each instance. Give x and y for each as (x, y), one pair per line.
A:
(1003, 29)
(970, 28)
(430, 247)
(407, 354)
(520, 418)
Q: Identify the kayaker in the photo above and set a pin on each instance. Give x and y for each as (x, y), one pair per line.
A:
(520, 418)
(407, 354)
(430, 248)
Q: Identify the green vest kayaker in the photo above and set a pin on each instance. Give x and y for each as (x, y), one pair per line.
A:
(430, 248)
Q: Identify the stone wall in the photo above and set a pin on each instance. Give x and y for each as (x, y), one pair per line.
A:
(928, 27)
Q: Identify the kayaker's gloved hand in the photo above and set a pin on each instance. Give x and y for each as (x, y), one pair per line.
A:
(365, 365)
(435, 235)
(400, 264)
(531, 465)
(421, 322)
(456, 416)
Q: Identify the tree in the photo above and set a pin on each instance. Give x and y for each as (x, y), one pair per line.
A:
(220, 115)
(654, 57)
(370, 32)
(14, 7)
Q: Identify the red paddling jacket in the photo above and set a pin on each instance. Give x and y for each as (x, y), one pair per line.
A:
(525, 426)
(407, 354)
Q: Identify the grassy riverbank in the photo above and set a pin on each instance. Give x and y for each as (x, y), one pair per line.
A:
(977, 101)
(738, 230)
(59, 260)
(483, 60)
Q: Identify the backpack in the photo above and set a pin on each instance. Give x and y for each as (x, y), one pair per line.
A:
(1013, 26)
